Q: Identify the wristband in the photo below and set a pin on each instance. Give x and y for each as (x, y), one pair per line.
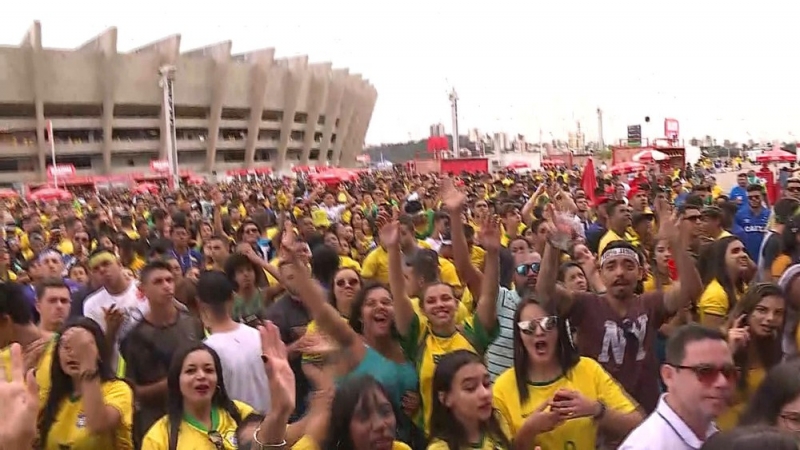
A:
(262, 446)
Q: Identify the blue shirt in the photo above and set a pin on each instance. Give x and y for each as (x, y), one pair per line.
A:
(739, 192)
(191, 258)
(754, 228)
(30, 295)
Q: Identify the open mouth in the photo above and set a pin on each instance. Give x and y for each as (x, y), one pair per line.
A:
(540, 347)
(202, 389)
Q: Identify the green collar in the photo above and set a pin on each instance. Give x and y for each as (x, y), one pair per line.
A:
(196, 424)
(479, 444)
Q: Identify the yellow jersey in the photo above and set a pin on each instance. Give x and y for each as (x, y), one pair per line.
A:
(69, 428)
(611, 236)
(42, 370)
(587, 377)
(714, 300)
(308, 443)
(729, 419)
(425, 349)
(376, 266)
(192, 435)
(346, 262)
(486, 443)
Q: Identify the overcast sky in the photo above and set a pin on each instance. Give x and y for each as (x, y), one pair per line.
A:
(721, 68)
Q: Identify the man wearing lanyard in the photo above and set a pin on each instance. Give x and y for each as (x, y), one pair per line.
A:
(700, 377)
(187, 257)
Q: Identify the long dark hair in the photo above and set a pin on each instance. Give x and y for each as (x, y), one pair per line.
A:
(61, 386)
(345, 401)
(779, 387)
(769, 349)
(444, 425)
(712, 266)
(355, 320)
(567, 354)
(220, 399)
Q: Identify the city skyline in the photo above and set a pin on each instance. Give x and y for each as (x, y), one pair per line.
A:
(718, 68)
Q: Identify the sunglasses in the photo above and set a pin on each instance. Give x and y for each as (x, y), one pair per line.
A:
(545, 324)
(352, 282)
(251, 231)
(523, 269)
(708, 374)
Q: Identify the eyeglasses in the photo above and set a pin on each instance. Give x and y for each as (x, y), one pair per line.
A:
(545, 324)
(216, 440)
(708, 374)
(347, 281)
(251, 231)
(523, 269)
(792, 420)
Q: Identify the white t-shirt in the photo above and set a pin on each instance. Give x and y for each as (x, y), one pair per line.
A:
(129, 302)
(242, 369)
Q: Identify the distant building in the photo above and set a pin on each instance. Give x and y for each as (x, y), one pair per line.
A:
(231, 111)
(437, 130)
(501, 142)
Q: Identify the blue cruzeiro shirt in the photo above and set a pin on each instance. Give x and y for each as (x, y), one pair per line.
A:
(754, 228)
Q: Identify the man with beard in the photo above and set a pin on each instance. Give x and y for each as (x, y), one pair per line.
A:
(618, 328)
(500, 354)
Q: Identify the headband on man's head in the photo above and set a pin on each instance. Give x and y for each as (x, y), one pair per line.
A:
(100, 257)
(619, 253)
(45, 253)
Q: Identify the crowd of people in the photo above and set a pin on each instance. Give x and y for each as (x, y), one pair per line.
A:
(404, 311)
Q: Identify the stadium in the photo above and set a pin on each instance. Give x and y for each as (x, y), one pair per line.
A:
(111, 113)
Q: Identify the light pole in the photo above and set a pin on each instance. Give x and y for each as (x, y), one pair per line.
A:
(166, 82)
(454, 113)
(53, 152)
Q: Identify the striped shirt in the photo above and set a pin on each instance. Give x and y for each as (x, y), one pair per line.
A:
(500, 355)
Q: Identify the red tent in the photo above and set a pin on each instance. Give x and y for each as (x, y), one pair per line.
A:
(776, 155)
(627, 167)
(553, 162)
(146, 188)
(48, 194)
(8, 193)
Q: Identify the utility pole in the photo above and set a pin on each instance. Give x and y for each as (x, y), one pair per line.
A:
(454, 114)
(166, 82)
(601, 142)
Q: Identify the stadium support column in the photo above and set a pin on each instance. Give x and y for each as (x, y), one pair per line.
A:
(454, 113)
(166, 82)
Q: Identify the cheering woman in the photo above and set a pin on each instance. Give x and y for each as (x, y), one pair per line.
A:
(87, 407)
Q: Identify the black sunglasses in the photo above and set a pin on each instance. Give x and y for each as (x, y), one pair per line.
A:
(348, 281)
(523, 269)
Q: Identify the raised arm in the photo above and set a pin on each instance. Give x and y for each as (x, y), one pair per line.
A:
(547, 287)
(690, 286)
(453, 200)
(311, 294)
(403, 309)
(487, 303)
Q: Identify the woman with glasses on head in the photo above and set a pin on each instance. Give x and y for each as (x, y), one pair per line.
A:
(87, 406)
(776, 402)
(723, 267)
(754, 335)
(552, 396)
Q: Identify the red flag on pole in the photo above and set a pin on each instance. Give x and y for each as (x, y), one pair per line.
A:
(589, 180)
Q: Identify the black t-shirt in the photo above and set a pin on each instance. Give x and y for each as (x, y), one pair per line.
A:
(772, 248)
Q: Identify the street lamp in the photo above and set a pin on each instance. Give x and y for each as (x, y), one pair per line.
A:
(166, 82)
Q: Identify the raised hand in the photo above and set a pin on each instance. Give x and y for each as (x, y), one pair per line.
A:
(80, 342)
(490, 235)
(19, 404)
(739, 334)
(389, 233)
(452, 198)
(276, 364)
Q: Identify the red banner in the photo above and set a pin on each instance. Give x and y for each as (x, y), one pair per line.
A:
(159, 165)
(60, 171)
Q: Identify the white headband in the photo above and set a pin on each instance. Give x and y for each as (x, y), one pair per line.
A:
(619, 253)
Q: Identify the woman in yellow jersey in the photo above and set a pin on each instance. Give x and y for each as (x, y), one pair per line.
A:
(723, 267)
(426, 339)
(463, 416)
(87, 407)
(362, 418)
(552, 396)
(754, 335)
(200, 414)
(776, 402)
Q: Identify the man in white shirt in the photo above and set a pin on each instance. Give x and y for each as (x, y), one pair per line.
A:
(700, 377)
(238, 345)
(118, 306)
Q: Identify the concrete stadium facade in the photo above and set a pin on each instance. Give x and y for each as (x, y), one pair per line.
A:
(240, 111)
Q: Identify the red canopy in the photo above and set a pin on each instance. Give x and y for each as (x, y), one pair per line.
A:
(49, 194)
(627, 167)
(776, 155)
(6, 193)
(517, 165)
(553, 162)
(146, 188)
